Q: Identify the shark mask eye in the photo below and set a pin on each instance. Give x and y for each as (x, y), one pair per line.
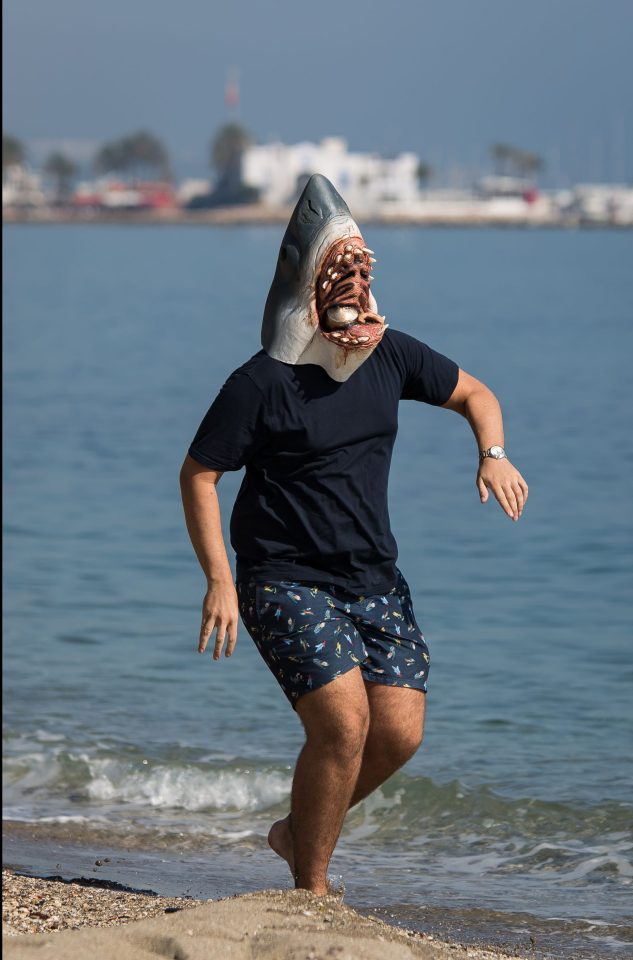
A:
(288, 259)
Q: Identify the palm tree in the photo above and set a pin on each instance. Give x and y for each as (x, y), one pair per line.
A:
(227, 148)
(502, 156)
(511, 161)
(529, 163)
(62, 171)
(145, 152)
(139, 154)
(13, 152)
(111, 158)
(424, 173)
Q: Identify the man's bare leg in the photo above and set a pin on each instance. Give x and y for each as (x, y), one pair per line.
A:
(396, 728)
(336, 719)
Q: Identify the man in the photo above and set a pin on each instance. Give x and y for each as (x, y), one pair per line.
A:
(313, 418)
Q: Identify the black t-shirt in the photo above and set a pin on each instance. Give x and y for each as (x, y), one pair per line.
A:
(313, 502)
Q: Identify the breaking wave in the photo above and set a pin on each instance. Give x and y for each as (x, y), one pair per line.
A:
(43, 779)
(188, 788)
(99, 781)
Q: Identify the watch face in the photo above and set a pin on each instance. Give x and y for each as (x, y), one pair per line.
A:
(498, 453)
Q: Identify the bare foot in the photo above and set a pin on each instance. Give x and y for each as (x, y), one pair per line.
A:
(280, 840)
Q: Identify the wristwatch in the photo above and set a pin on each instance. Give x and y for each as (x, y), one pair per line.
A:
(496, 452)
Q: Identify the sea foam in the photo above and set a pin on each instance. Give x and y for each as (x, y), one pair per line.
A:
(188, 788)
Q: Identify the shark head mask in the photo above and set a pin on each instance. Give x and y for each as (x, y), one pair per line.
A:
(320, 309)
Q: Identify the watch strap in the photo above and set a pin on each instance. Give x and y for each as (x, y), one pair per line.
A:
(499, 453)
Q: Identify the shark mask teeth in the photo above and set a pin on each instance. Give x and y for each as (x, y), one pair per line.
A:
(344, 302)
(341, 316)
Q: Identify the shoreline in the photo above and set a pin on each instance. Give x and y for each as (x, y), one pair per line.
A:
(258, 215)
(124, 879)
(70, 920)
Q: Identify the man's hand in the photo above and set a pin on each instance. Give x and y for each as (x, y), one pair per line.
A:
(219, 613)
(506, 483)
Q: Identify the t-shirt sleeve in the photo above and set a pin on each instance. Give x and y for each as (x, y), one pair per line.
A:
(232, 430)
(430, 376)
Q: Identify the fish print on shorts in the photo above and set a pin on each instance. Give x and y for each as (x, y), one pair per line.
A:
(312, 633)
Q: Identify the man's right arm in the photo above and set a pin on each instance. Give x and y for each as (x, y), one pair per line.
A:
(202, 514)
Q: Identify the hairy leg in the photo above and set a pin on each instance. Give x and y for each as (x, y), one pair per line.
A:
(335, 718)
(396, 728)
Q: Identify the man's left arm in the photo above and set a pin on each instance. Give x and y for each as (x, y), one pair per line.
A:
(474, 401)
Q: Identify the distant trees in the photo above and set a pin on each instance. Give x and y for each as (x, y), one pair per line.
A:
(227, 148)
(140, 154)
(13, 152)
(424, 173)
(511, 161)
(225, 155)
(62, 170)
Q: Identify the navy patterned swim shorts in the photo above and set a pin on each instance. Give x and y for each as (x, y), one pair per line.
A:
(310, 634)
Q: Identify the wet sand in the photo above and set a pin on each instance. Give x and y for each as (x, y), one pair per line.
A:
(70, 921)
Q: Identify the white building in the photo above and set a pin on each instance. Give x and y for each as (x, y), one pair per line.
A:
(191, 189)
(365, 180)
(22, 188)
(603, 203)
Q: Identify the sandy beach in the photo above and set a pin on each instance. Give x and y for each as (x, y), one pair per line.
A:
(72, 921)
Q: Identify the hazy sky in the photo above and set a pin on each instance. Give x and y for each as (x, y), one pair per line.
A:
(444, 78)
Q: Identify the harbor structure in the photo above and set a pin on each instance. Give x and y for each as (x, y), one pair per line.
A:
(368, 181)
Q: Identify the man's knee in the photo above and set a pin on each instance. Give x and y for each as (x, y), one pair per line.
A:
(396, 723)
(336, 720)
(345, 736)
(410, 742)
(399, 744)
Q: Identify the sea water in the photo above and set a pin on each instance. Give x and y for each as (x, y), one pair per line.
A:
(514, 821)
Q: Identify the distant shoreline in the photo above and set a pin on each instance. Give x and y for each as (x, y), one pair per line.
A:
(266, 216)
